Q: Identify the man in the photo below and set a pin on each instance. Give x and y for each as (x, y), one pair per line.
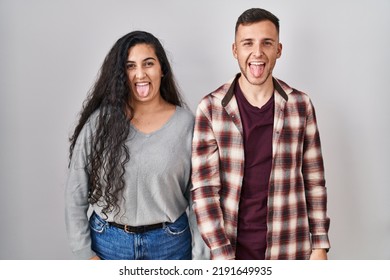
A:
(258, 177)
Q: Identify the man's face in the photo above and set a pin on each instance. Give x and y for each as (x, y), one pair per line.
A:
(256, 49)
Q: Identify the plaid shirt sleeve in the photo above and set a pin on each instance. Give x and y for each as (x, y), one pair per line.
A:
(297, 218)
(313, 175)
(207, 184)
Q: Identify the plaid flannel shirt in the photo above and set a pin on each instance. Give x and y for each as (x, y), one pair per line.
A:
(297, 221)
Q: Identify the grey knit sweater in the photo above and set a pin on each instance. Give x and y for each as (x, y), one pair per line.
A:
(157, 179)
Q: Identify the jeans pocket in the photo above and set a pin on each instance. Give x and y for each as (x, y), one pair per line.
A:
(179, 226)
(97, 224)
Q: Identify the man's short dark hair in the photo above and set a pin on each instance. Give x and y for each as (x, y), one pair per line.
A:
(255, 15)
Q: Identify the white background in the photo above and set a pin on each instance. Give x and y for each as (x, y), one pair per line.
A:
(50, 52)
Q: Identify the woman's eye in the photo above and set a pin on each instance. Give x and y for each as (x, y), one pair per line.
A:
(130, 66)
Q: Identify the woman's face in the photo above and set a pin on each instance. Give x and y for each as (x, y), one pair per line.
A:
(144, 73)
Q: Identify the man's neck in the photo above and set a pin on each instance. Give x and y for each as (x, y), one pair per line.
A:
(257, 95)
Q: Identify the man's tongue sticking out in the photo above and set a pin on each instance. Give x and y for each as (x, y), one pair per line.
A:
(256, 69)
(142, 89)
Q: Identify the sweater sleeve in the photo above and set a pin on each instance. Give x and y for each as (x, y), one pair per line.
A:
(76, 197)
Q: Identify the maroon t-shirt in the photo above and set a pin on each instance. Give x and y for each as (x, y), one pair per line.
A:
(252, 215)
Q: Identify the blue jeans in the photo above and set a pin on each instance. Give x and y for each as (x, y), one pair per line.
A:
(172, 242)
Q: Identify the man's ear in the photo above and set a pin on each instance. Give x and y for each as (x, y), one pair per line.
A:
(279, 52)
(234, 50)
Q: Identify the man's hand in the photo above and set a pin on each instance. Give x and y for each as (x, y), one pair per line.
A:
(318, 254)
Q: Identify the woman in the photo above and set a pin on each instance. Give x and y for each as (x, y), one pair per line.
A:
(130, 159)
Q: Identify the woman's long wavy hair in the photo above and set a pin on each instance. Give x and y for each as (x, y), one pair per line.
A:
(111, 94)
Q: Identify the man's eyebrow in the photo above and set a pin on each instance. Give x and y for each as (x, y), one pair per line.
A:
(250, 40)
(246, 40)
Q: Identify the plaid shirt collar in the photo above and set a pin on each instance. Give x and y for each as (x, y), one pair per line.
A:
(230, 93)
